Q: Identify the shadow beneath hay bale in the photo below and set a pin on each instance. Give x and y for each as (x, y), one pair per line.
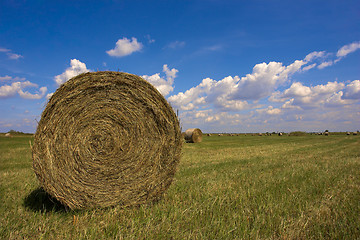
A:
(40, 201)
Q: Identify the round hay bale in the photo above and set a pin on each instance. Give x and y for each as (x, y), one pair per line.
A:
(355, 133)
(105, 139)
(280, 133)
(8, 135)
(347, 133)
(193, 135)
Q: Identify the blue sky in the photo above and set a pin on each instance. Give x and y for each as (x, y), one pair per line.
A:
(227, 66)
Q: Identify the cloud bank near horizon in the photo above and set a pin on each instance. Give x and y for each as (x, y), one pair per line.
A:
(266, 97)
(233, 100)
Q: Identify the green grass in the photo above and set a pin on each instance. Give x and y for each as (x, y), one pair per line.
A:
(241, 187)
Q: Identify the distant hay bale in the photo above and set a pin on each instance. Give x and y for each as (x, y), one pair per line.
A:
(326, 133)
(8, 135)
(260, 134)
(193, 135)
(183, 135)
(209, 135)
(280, 133)
(355, 133)
(104, 139)
(348, 133)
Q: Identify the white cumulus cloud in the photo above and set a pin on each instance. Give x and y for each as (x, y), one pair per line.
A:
(299, 96)
(297, 90)
(76, 68)
(309, 67)
(49, 95)
(352, 90)
(4, 50)
(8, 78)
(18, 87)
(125, 47)
(164, 86)
(269, 110)
(325, 64)
(335, 100)
(234, 93)
(10, 90)
(14, 56)
(10, 54)
(184, 100)
(5, 78)
(268, 98)
(313, 55)
(28, 95)
(345, 50)
(325, 59)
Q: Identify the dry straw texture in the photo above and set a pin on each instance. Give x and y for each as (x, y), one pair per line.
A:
(193, 135)
(104, 139)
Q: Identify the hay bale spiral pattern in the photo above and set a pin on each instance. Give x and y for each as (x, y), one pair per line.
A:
(193, 135)
(104, 139)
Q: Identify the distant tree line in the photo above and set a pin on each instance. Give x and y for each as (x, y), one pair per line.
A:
(14, 132)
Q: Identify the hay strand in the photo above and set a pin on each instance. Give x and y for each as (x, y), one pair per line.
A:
(104, 139)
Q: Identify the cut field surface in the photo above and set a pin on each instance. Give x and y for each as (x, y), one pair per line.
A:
(229, 187)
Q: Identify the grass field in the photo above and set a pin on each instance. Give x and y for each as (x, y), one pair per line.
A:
(243, 187)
